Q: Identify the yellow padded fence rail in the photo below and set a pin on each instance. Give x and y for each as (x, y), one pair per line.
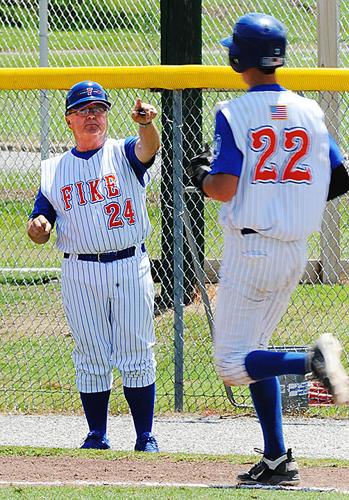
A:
(167, 77)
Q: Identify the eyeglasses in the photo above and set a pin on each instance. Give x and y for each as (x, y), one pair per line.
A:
(93, 110)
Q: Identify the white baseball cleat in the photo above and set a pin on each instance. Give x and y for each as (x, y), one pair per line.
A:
(326, 366)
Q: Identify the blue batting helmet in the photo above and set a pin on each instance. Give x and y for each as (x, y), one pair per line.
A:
(258, 41)
(83, 93)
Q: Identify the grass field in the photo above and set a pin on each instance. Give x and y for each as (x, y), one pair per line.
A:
(139, 42)
(37, 373)
(140, 491)
(156, 493)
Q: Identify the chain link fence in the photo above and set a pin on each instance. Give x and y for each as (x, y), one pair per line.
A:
(119, 32)
(36, 370)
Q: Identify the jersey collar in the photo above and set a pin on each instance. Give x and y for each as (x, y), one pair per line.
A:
(86, 155)
(275, 87)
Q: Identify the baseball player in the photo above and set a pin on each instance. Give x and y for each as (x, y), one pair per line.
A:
(274, 167)
(96, 195)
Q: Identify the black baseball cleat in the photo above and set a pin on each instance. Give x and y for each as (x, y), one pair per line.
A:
(326, 366)
(282, 471)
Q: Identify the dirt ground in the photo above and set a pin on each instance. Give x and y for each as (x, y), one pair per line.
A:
(162, 470)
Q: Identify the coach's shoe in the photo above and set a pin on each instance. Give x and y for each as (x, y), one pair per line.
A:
(96, 440)
(282, 471)
(326, 366)
(146, 442)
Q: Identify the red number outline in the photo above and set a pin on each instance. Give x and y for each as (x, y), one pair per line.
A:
(113, 210)
(129, 213)
(296, 141)
(264, 139)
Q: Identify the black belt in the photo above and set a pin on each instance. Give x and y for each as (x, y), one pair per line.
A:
(107, 257)
(247, 230)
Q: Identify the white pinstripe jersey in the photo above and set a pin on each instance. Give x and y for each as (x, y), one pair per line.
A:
(100, 203)
(285, 173)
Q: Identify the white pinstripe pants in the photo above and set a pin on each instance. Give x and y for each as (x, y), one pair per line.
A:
(258, 276)
(109, 308)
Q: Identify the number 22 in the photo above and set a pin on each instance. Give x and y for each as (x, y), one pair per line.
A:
(296, 141)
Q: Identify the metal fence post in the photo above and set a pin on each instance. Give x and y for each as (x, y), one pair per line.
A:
(181, 43)
(44, 100)
(328, 31)
(178, 258)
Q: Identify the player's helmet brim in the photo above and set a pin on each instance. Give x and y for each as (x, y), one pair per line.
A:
(81, 103)
(234, 53)
(234, 49)
(227, 42)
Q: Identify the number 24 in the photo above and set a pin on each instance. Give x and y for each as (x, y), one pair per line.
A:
(115, 216)
(296, 141)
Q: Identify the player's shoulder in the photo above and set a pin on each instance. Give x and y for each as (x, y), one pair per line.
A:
(224, 105)
(233, 107)
(119, 147)
(53, 161)
(230, 104)
(294, 96)
(114, 144)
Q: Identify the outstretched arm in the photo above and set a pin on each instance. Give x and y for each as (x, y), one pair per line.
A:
(149, 139)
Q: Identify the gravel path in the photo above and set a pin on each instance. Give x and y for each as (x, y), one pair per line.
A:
(212, 435)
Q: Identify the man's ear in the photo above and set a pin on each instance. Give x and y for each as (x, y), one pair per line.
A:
(68, 121)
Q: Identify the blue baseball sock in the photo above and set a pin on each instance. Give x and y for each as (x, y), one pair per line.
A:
(141, 401)
(266, 398)
(96, 409)
(266, 364)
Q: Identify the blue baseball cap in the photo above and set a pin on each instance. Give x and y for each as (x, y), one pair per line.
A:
(83, 93)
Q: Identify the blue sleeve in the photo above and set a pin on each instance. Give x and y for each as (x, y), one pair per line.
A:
(227, 157)
(43, 207)
(336, 157)
(138, 167)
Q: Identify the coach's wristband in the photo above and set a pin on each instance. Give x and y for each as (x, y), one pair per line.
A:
(145, 124)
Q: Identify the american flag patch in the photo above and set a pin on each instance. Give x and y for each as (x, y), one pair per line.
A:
(278, 112)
